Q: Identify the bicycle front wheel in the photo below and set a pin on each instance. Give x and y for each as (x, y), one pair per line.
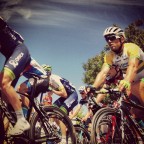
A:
(54, 128)
(106, 128)
(82, 135)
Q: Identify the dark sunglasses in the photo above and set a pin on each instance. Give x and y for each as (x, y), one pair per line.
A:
(111, 38)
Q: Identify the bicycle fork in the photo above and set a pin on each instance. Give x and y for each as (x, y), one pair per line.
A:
(122, 125)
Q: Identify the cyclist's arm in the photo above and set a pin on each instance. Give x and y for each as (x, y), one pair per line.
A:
(133, 52)
(76, 111)
(132, 69)
(101, 77)
(57, 86)
(88, 114)
(130, 73)
(61, 92)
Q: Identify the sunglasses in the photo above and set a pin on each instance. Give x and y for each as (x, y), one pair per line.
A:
(111, 37)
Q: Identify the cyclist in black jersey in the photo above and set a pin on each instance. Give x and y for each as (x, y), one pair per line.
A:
(17, 58)
(83, 90)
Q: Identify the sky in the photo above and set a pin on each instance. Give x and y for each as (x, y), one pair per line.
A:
(66, 33)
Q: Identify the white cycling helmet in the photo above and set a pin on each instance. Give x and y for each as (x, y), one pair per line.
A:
(82, 89)
(114, 31)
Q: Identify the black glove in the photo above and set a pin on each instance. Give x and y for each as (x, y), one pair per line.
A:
(90, 90)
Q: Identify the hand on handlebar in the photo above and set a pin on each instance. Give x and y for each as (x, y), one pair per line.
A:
(83, 119)
(124, 85)
(90, 90)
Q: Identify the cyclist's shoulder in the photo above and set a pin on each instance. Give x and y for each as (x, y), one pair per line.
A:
(109, 53)
(131, 46)
(55, 79)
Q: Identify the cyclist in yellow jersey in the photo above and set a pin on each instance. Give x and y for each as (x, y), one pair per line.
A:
(128, 57)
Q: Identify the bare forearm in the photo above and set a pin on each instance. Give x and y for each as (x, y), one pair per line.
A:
(131, 70)
(59, 93)
(100, 79)
(131, 73)
(75, 113)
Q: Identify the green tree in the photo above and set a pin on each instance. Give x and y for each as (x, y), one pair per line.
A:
(134, 33)
(92, 67)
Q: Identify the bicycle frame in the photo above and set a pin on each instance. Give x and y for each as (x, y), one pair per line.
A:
(4, 110)
(126, 114)
(39, 109)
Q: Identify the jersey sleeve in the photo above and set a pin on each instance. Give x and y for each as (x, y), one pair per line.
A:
(83, 101)
(55, 82)
(133, 50)
(108, 58)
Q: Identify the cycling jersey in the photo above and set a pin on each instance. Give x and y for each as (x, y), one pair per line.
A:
(34, 67)
(9, 39)
(42, 84)
(130, 51)
(83, 101)
(59, 83)
(66, 104)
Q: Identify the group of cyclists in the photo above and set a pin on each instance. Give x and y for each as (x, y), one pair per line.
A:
(123, 65)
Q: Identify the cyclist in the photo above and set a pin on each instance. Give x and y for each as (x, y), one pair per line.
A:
(85, 100)
(17, 58)
(57, 85)
(26, 86)
(113, 75)
(128, 57)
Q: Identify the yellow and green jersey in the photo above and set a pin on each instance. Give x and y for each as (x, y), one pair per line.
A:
(130, 51)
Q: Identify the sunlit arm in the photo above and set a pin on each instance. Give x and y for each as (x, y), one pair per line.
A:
(101, 77)
(88, 114)
(132, 69)
(62, 92)
(75, 112)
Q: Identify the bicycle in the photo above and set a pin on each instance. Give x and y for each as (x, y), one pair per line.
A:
(120, 126)
(82, 133)
(42, 129)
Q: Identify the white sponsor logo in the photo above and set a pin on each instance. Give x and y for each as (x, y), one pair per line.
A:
(69, 105)
(16, 60)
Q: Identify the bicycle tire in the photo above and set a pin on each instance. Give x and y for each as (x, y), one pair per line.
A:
(55, 113)
(82, 135)
(117, 138)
